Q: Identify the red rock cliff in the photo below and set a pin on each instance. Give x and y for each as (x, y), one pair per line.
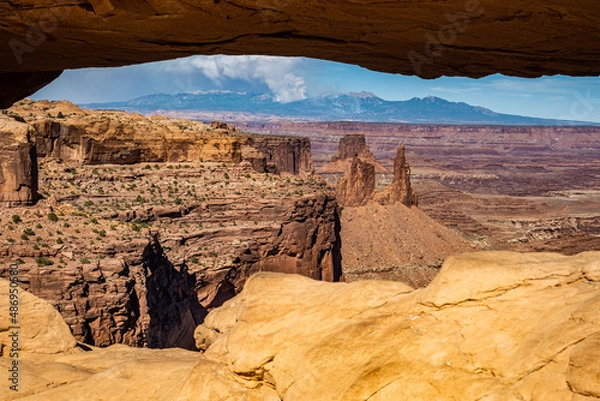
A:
(154, 288)
(352, 145)
(358, 186)
(63, 130)
(18, 163)
(400, 190)
(285, 154)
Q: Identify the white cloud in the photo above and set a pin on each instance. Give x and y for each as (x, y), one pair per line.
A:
(455, 90)
(278, 73)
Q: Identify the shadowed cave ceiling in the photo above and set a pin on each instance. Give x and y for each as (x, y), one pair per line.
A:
(427, 38)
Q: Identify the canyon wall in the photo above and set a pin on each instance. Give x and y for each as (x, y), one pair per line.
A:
(384, 235)
(285, 154)
(437, 140)
(351, 146)
(146, 273)
(358, 185)
(142, 293)
(521, 188)
(64, 131)
(358, 169)
(210, 217)
(133, 296)
(61, 130)
(18, 163)
(400, 189)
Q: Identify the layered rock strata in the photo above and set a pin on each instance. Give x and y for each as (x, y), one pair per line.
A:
(383, 236)
(359, 168)
(133, 295)
(18, 163)
(136, 254)
(349, 147)
(358, 186)
(352, 145)
(523, 188)
(400, 190)
(61, 130)
(284, 154)
(491, 326)
(64, 131)
(395, 242)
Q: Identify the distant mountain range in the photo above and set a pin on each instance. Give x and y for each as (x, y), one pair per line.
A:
(363, 106)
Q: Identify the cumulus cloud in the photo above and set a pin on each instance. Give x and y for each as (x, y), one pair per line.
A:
(278, 73)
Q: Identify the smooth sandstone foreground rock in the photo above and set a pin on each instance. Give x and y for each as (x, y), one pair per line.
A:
(43, 331)
(492, 326)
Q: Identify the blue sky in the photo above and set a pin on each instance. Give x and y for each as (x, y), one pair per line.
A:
(291, 79)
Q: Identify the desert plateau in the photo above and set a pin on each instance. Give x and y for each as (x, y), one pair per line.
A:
(299, 201)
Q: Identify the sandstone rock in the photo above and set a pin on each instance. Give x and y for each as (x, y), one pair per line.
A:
(116, 282)
(357, 167)
(257, 160)
(41, 328)
(426, 39)
(350, 146)
(358, 186)
(114, 373)
(356, 161)
(306, 243)
(66, 132)
(492, 326)
(583, 375)
(285, 155)
(139, 300)
(400, 190)
(17, 85)
(18, 163)
(69, 133)
(219, 125)
(483, 184)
